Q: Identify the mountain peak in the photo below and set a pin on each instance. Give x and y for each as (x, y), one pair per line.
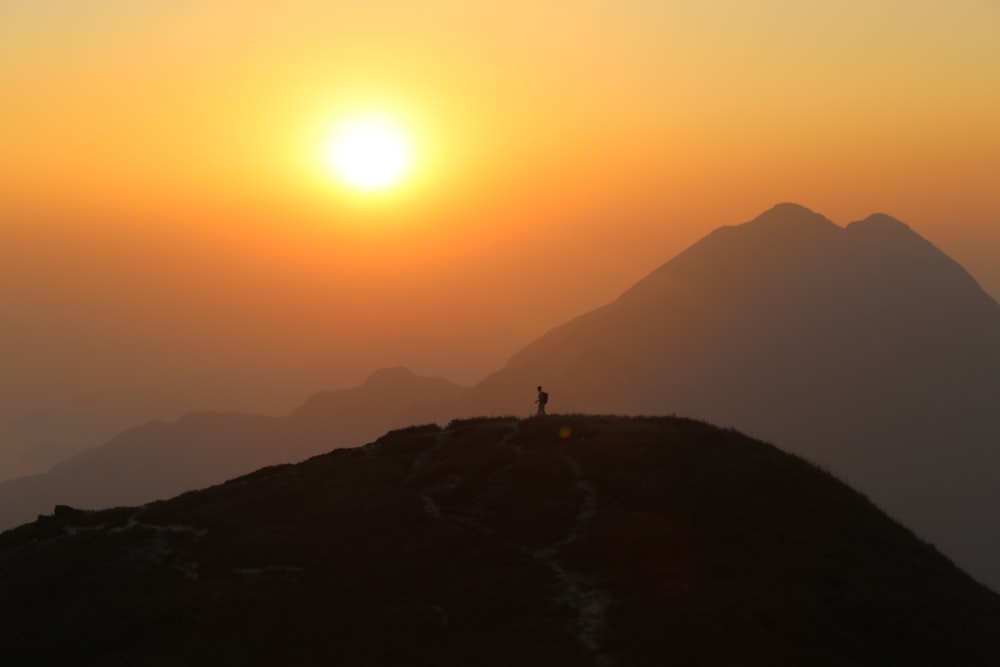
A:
(789, 214)
(879, 222)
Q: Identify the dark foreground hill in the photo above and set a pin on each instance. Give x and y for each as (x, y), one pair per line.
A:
(549, 541)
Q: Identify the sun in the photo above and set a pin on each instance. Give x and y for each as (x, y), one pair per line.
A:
(370, 152)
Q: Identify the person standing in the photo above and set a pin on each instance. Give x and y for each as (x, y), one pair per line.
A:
(542, 399)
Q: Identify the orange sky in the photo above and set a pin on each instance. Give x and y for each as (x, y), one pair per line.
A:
(165, 209)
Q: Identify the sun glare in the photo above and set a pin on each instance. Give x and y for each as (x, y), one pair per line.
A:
(369, 153)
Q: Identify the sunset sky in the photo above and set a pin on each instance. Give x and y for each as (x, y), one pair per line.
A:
(168, 212)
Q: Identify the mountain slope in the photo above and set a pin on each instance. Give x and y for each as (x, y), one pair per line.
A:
(158, 460)
(562, 540)
(863, 348)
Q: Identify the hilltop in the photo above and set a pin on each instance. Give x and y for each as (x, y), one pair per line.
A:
(565, 540)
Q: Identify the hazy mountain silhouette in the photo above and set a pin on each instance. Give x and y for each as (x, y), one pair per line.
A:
(863, 348)
(158, 459)
(550, 541)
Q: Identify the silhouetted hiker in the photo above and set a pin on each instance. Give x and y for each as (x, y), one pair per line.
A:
(542, 399)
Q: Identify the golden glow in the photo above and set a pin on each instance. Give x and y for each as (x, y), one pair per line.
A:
(558, 152)
(370, 153)
(609, 131)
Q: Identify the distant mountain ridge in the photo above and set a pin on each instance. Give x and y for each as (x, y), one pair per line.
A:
(568, 540)
(742, 285)
(158, 459)
(863, 348)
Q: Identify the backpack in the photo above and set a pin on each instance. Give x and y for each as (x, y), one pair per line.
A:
(543, 397)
